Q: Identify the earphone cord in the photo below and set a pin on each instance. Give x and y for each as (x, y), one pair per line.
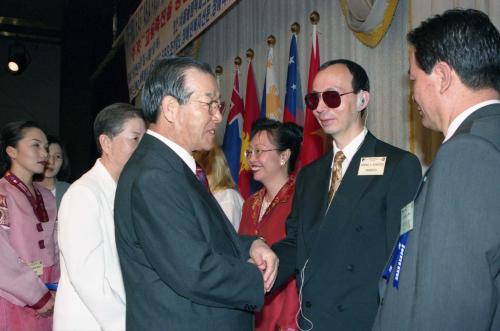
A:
(300, 312)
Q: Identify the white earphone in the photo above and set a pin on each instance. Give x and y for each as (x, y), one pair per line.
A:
(361, 101)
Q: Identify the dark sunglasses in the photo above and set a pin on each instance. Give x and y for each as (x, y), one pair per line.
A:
(330, 98)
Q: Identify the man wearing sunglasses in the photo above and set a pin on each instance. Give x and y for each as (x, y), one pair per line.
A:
(347, 206)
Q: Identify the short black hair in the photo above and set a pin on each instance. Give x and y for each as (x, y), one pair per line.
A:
(360, 79)
(284, 135)
(466, 40)
(167, 78)
(10, 135)
(110, 120)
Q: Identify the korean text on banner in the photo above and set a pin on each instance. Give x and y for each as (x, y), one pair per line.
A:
(161, 28)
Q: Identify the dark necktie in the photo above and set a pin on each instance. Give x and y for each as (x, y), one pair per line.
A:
(202, 176)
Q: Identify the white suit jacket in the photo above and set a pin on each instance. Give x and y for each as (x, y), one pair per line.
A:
(90, 294)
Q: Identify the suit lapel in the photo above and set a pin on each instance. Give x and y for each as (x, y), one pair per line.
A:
(168, 155)
(465, 127)
(216, 216)
(317, 185)
(490, 110)
(421, 193)
(352, 187)
(346, 200)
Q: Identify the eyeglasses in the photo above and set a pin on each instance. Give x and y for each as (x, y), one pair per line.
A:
(330, 98)
(213, 106)
(257, 152)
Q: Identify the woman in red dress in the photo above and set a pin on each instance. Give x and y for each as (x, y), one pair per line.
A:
(272, 154)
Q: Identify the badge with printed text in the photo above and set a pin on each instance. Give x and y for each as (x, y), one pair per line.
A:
(407, 218)
(37, 267)
(372, 166)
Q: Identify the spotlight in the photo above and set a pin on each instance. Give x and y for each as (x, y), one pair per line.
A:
(18, 60)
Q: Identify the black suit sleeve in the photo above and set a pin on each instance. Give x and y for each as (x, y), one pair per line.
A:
(187, 252)
(286, 249)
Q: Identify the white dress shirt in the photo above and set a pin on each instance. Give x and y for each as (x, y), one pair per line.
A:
(349, 150)
(181, 152)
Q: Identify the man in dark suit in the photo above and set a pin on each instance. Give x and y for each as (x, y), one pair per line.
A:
(183, 265)
(445, 270)
(346, 210)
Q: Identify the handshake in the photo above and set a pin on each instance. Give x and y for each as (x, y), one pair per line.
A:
(266, 261)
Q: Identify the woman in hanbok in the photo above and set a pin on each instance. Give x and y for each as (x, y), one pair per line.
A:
(28, 247)
(272, 154)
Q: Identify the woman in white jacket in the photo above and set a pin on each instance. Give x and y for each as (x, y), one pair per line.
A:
(91, 294)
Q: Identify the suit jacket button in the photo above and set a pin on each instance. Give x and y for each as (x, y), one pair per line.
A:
(340, 308)
(350, 267)
(308, 304)
(359, 228)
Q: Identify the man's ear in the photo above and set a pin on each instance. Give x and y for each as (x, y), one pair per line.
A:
(363, 99)
(169, 106)
(444, 73)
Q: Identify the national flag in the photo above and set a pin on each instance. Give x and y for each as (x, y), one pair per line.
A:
(232, 136)
(273, 102)
(263, 101)
(250, 114)
(293, 110)
(314, 137)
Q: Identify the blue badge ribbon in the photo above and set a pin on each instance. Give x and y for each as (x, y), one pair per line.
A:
(397, 260)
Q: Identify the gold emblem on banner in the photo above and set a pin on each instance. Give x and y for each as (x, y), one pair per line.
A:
(369, 19)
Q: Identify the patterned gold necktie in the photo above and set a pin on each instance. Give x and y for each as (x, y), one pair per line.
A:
(336, 175)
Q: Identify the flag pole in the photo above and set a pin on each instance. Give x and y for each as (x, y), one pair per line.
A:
(218, 72)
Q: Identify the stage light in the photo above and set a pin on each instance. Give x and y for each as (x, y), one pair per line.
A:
(18, 59)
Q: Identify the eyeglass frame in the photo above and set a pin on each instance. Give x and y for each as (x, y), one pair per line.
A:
(320, 96)
(250, 152)
(210, 105)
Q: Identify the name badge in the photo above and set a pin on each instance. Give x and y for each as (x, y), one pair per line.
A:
(37, 267)
(407, 218)
(372, 166)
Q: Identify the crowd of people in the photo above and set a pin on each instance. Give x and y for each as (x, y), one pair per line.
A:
(155, 236)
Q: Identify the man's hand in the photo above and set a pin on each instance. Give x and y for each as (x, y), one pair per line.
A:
(267, 262)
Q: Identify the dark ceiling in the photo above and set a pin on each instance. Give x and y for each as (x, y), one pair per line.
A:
(54, 21)
(32, 20)
(92, 75)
